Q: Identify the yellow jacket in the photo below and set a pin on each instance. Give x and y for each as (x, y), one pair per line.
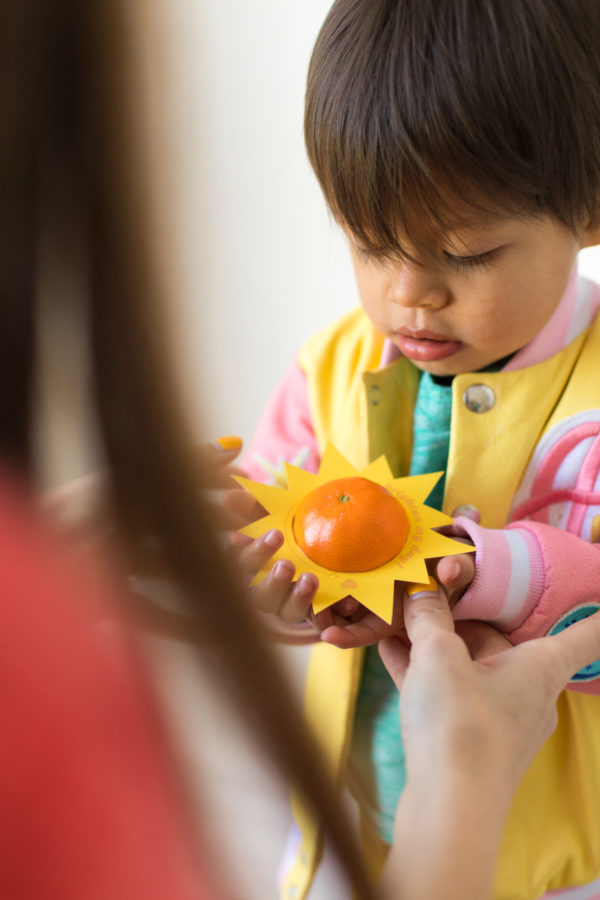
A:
(552, 838)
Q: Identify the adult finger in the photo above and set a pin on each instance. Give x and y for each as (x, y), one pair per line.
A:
(223, 479)
(426, 613)
(223, 448)
(482, 640)
(215, 460)
(395, 657)
(576, 646)
(243, 504)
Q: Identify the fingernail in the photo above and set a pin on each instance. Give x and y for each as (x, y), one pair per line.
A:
(282, 571)
(415, 588)
(453, 570)
(418, 595)
(230, 442)
(306, 584)
(273, 539)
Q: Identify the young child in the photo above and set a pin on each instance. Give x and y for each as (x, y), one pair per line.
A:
(457, 143)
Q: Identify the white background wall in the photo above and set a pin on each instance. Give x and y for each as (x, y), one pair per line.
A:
(264, 267)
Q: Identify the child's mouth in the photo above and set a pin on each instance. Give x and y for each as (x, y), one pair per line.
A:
(425, 346)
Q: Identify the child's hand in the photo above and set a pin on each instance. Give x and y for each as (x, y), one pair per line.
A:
(278, 594)
(454, 574)
(349, 625)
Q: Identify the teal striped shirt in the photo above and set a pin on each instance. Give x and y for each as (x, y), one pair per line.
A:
(377, 753)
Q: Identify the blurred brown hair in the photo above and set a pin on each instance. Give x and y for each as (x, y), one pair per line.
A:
(68, 107)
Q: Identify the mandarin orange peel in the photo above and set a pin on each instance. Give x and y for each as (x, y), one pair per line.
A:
(373, 588)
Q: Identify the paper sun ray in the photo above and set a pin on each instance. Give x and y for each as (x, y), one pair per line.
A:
(374, 589)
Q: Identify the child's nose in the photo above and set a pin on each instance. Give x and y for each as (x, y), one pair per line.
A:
(418, 286)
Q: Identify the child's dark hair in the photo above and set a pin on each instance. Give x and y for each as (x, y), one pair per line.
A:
(413, 105)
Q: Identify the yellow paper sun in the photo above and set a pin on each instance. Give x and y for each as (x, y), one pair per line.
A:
(373, 588)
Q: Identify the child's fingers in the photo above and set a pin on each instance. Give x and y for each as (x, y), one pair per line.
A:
(356, 634)
(299, 599)
(395, 657)
(363, 629)
(455, 574)
(322, 620)
(348, 636)
(345, 607)
(254, 556)
(270, 595)
(278, 593)
(426, 613)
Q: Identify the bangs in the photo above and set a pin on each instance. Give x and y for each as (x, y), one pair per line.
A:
(416, 210)
(417, 108)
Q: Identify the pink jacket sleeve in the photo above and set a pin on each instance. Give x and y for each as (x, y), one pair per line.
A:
(532, 579)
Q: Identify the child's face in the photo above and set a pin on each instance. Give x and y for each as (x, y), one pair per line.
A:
(487, 293)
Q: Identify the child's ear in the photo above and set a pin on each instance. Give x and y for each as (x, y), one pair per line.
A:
(591, 234)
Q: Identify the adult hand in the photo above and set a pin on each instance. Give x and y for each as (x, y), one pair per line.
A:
(80, 509)
(462, 701)
(470, 731)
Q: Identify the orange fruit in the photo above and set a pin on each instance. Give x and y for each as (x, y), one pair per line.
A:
(350, 525)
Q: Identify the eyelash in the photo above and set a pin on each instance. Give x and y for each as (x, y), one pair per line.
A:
(462, 263)
(370, 257)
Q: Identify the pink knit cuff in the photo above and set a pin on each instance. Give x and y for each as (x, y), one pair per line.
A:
(509, 575)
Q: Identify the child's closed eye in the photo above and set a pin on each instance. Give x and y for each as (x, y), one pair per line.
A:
(479, 260)
(375, 257)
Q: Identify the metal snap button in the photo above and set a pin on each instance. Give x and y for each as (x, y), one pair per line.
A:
(479, 398)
